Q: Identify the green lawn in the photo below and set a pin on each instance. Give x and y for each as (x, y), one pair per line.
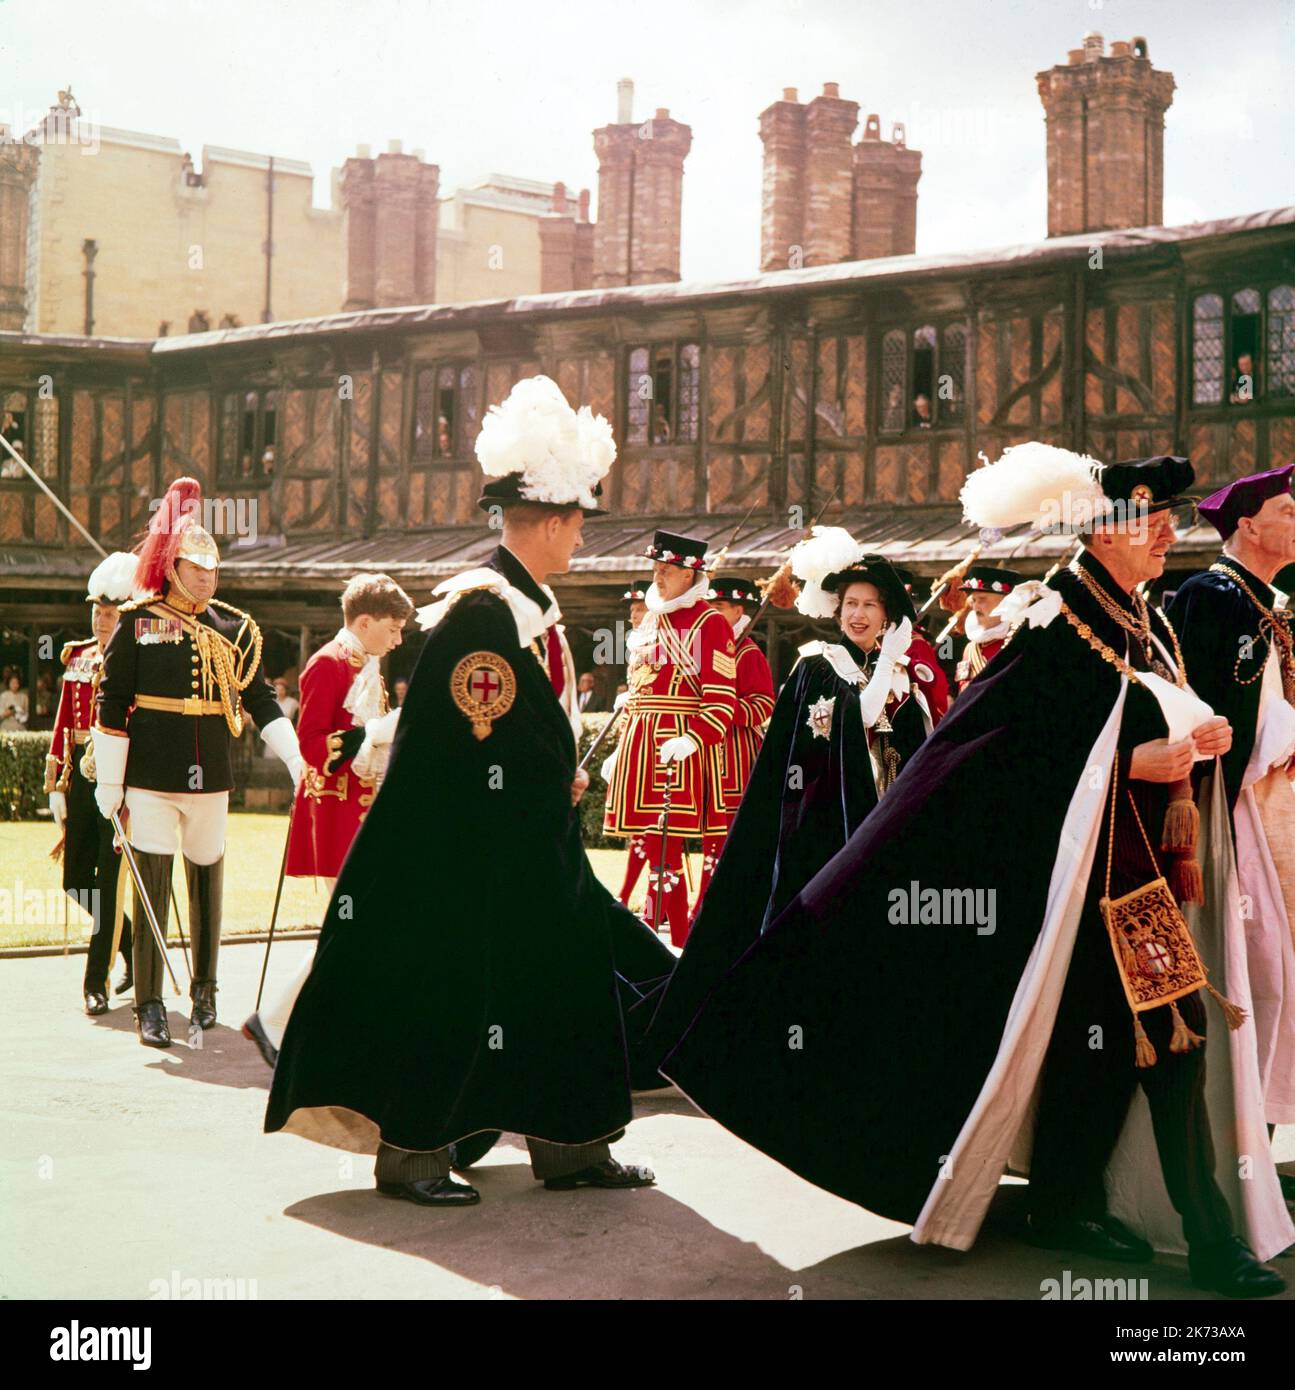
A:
(33, 912)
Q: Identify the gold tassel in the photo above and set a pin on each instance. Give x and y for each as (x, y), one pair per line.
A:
(1182, 821)
(1186, 882)
(1234, 1014)
(1183, 1039)
(1146, 1054)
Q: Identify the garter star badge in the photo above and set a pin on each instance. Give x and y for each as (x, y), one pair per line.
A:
(820, 717)
(483, 687)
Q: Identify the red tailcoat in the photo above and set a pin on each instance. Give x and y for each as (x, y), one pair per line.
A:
(731, 761)
(81, 663)
(975, 657)
(332, 799)
(927, 675)
(685, 684)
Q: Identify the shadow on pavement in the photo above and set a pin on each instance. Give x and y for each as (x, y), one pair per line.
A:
(226, 1058)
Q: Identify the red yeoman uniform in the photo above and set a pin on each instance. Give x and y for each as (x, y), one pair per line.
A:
(682, 679)
(339, 692)
(731, 761)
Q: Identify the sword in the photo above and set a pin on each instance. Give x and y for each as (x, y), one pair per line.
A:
(143, 896)
(274, 915)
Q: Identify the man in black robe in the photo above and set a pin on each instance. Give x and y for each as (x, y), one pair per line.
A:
(479, 992)
(1240, 656)
(889, 1054)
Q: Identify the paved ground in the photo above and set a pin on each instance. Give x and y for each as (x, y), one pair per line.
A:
(124, 1166)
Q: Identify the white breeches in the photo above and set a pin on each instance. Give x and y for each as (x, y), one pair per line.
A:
(197, 817)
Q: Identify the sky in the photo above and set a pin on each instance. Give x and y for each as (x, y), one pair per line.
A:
(514, 88)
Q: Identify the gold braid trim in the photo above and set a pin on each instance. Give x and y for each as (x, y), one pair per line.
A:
(1102, 650)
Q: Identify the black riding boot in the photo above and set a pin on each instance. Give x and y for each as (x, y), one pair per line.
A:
(206, 892)
(150, 1010)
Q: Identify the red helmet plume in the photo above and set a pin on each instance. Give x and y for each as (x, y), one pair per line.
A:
(181, 505)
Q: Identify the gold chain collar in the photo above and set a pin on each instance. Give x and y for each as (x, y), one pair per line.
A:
(1139, 627)
(1274, 625)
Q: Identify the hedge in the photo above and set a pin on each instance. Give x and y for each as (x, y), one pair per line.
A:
(22, 774)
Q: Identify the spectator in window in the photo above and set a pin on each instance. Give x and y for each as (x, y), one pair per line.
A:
(13, 706)
(267, 461)
(9, 466)
(660, 425)
(288, 702)
(401, 689)
(444, 445)
(894, 407)
(922, 411)
(1242, 388)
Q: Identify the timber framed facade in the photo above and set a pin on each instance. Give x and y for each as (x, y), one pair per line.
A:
(740, 410)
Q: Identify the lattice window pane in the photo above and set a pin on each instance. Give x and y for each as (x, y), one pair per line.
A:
(689, 392)
(894, 364)
(14, 425)
(467, 411)
(447, 411)
(1207, 350)
(951, 389)
(638, 396)
(425, 414)
(45, 437)
(1245, 302)
(1281, 341)
(229, 435)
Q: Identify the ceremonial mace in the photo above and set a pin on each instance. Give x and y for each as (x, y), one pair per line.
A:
(138, 880)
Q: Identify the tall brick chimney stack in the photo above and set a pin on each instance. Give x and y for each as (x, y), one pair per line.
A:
(782, 209)
(825, 200)
(391, 223)
(829, 178)
(1106, 135)
(566, 243)
(885, 193)
(640, 196)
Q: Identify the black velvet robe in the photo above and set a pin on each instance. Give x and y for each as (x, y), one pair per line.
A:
(466, 977)
(851, 1048)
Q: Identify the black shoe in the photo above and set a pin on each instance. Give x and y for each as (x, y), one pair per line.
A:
(150, 1023)
(433, 1192)
(96, 1003)
(254, 1032)
(203, 1012)
(1106, 1238)
(127, 982)
(1230, 1268)
(608, 1174)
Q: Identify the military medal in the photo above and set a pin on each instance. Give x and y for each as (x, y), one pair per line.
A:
(483, 687)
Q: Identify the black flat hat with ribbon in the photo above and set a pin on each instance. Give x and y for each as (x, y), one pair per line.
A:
(990, 579)
(876, 570)
(636, 593)
(1150, 484)
(688, 552)
(734, 590)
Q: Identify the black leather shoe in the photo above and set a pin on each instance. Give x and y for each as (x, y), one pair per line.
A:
(1230, 1268)
(203, 1012)
(96, 1003)
(151, 1024)
(1106, 1238)
(608, 1174)
(433, 1192)
(254, 1032)
(126, 983)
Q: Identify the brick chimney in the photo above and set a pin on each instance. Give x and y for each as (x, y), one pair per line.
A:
(566, 243)
(1106, 132)
(825, 200)
(640, 197)
(391, 221)
(782, 207)
(18, 167)
(885, 193)
(829, 178)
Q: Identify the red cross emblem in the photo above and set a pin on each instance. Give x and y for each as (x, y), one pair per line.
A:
(484, 685)
(1154, 958)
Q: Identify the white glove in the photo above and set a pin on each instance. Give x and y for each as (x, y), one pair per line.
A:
(383, 729)
(895, 642)
(619, 702)
(110, 753)
(280, 738)
(609, 766)
(58, 807)
(675, 750)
